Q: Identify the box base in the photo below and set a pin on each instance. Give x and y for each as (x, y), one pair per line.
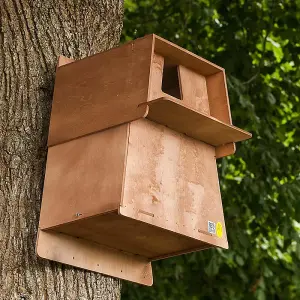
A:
(128, 235)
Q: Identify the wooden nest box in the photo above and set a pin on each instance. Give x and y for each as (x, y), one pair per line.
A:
(131, 172)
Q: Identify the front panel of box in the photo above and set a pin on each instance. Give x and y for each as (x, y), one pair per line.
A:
(171, 181)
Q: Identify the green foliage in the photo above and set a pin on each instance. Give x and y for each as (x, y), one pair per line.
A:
(258, 43)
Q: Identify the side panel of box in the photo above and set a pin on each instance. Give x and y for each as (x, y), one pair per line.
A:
(171, 181)
(157, 67)
(84, 177)
(100, 91)
(219, 107)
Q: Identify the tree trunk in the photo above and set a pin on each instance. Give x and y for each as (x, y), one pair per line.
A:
(33, 34)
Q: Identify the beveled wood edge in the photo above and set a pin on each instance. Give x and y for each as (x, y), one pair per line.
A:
(148, 36)
(193, 55)
(203, 237)
(125, 167)
(227, 96)
(154, 37)
(151, 62)
(183, 252)
(208, 245)
(176, 101)
(91, 256)
(225, 150)
(79, 218)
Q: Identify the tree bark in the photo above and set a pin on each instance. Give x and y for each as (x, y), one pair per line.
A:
(33, 34)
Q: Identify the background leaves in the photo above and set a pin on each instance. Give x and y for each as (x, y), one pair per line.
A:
(258, 43)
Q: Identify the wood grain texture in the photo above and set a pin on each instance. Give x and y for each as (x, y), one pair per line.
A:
(90, 106)
(32, 36)
(84, 177)
(194, 91)
(193, 68)
(170, 192)
(219, 107)
(184, 57)
(156, 74)
(225, 150)
(218, 97)
(175, 114)
(100, 91)
(130, 235)
(91, 256)
(173, 178)
(141, 189)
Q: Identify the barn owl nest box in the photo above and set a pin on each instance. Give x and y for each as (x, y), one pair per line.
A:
(131, 171)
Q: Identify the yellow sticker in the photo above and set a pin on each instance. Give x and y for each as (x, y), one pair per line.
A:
(219, 230)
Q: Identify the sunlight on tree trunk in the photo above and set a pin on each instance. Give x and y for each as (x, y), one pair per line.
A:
(32, 36)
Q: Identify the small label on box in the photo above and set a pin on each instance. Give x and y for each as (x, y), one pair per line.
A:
(219, 230)
(211, 227)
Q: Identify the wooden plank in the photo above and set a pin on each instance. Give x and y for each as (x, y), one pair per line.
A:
(225, 150)
(172, 113)
(100, 91)
(219, 106)
(194, 91)
(172, 254)
(174, 179)
(218, 97)
(131, 235)
(94, 257)
(84, 177)
(184, 57)
(157, 67)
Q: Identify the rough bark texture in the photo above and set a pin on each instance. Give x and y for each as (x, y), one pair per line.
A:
(33, 34)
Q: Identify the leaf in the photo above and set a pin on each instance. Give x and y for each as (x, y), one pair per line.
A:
(271, 98)
(239, 260)
(212, 268)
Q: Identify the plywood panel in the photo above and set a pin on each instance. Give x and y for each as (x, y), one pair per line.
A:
(131, 236)
(100, 91)
(218, 97)
(94, 257)
(84, 177)
(193, 87)
(172, 182)
(184, 57)
(157, 66)
(219, 107)
(225, 150)
(177, 116)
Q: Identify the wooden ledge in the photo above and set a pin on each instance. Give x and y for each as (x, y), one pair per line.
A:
(91, 256)
(177, 116)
